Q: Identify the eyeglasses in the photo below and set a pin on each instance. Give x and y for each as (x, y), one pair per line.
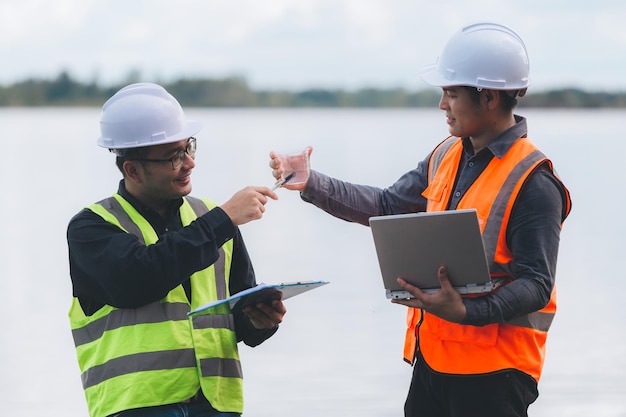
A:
(179, 159)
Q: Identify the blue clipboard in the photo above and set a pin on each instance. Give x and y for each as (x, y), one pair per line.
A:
(260, 293)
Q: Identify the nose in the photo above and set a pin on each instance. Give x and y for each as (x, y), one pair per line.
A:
(443, 101)
(190, 161)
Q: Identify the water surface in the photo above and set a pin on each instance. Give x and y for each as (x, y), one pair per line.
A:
(339, 350)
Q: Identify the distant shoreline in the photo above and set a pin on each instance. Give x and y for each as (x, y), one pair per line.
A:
(234, 92)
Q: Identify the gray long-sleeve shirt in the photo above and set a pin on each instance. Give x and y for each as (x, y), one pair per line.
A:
(532, 234)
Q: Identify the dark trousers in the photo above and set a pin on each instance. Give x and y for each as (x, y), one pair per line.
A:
(501, 394)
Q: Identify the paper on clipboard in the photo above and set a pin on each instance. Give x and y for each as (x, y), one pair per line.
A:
(261, 292)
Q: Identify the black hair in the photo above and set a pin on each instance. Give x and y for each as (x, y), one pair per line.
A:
(508, 98)
(123, 155)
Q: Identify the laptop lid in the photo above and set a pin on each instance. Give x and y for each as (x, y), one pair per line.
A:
(413, 246)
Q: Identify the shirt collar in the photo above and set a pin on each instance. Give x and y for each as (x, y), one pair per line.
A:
(503, 142)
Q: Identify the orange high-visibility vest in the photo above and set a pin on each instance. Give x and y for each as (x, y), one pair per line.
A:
(520, 343)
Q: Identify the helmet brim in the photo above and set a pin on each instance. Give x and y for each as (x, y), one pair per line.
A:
(192, 127)
(431, 75)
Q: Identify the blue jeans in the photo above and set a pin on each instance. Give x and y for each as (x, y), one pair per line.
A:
(197, 409)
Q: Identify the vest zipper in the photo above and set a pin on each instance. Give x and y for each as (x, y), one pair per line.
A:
(417, 334)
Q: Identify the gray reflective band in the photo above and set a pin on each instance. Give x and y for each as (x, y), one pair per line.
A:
(441, 151)
(227, 368)
(199, 208)
(220, 275)
(221, 321)
(499, 207)
(114, 207)
(139, 362)
(197, 205)
(537, 320)
(156, 312)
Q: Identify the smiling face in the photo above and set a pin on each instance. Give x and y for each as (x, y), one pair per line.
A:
(156, 183)
(479, 115)
(465, 116)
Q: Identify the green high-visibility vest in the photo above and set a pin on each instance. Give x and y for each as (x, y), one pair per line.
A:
(155, 355)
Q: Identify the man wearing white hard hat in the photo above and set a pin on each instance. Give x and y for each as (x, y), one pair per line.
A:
(145, 257)
(482, 355)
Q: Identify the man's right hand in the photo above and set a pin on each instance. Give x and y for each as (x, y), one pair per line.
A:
(248, 204)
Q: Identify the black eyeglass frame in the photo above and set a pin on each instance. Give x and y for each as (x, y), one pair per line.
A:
(177, 160)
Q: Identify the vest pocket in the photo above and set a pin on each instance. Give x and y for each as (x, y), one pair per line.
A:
(436, 190)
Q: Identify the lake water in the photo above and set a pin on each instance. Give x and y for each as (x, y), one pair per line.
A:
(338, 351)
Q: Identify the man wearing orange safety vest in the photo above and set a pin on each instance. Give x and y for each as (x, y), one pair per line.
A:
(482, 355)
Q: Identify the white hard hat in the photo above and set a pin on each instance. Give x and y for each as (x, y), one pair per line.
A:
(143, 114)
(482, 55)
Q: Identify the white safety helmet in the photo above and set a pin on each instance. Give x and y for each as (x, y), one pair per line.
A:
(143, 114)
(482, 55)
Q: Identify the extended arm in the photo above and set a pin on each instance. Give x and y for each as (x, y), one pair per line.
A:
(357, 203)
(110, 266)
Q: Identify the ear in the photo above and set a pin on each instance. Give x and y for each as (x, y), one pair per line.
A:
(492, 98)
(133, 171)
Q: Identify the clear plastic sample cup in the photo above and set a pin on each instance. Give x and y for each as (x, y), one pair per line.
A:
(297, 162)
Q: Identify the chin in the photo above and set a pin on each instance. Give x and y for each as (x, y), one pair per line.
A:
(456, 132)
(183, 189)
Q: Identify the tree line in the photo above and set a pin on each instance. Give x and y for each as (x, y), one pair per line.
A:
(235, 92)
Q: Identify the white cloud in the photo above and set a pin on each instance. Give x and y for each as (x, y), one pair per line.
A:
(303, 43)
(371, 21)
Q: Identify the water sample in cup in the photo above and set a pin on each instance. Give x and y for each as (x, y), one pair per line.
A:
(297, 162)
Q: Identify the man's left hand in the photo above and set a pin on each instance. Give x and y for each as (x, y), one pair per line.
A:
(445, 303)
(266, 315)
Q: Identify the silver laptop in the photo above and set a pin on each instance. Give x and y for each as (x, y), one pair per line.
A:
(413, 246)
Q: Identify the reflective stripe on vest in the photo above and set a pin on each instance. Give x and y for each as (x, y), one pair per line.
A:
(153, 355)
(520, 343)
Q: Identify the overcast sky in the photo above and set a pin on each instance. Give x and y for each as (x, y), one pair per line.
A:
(298, 44)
